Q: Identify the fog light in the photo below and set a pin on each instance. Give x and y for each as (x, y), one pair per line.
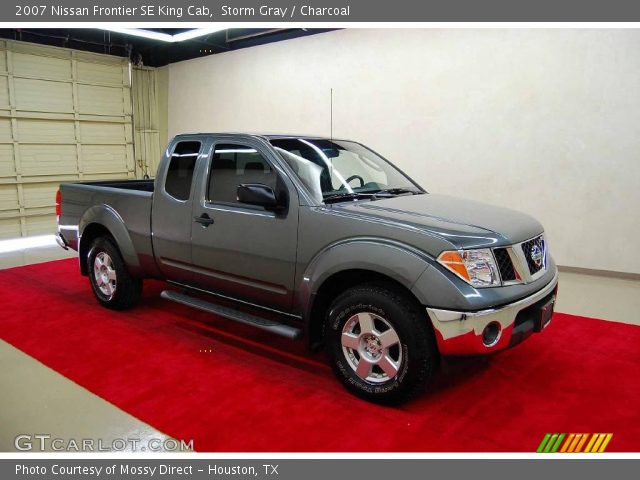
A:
(491, 334)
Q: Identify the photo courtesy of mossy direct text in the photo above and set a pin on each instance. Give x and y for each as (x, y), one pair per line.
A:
(162, 469)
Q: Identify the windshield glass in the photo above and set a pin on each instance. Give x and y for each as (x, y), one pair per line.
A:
(335, 167)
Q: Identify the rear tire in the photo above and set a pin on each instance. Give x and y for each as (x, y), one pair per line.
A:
(380, 343)
(112, 284)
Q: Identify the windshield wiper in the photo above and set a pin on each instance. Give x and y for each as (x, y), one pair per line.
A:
(398, 191)
(336, 197)
(373, 195)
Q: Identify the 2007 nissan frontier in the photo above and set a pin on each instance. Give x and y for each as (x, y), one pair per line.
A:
(321, 239)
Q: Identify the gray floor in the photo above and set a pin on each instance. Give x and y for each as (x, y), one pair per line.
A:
(38, 400)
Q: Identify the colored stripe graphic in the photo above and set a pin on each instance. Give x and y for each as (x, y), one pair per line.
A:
(606, 442)
(543, 443)
(587, 449)
(568, 442)
(596, 445)
(574, 442)
(582, 442)
(557, 444)
(550, 443)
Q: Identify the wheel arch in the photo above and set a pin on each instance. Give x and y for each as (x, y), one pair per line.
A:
(351, 263)
(101, 220)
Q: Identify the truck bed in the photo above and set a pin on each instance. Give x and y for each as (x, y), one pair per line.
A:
(128, 201)
(140, 185)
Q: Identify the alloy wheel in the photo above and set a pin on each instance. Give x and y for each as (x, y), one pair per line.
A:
(371, 347)
(104, 274)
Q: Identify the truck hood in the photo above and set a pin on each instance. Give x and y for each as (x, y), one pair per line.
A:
(463, 223)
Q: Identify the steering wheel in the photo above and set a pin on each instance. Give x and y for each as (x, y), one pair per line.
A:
(354, 177)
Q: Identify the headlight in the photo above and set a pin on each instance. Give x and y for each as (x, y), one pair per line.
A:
(477, 267)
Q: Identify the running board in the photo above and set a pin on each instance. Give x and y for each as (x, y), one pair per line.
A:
(235, 315)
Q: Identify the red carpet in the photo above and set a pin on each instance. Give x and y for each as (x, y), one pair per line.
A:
(256, 392)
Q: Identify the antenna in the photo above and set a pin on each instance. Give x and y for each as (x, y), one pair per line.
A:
(331, 127)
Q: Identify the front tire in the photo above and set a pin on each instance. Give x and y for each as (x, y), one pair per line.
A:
(380, 343)
(111, 282)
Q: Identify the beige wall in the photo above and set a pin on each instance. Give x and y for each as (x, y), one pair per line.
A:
(543, 121)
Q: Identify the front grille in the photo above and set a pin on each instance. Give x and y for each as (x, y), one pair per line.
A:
(507, 272)
(535, 254)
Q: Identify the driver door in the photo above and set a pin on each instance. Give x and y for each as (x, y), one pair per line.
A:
(238, 250)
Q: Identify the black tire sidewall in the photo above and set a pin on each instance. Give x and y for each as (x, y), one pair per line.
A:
(415, 345)
(105, 245)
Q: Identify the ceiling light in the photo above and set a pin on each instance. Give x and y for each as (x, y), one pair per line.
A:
(165, 37)
(195, 33)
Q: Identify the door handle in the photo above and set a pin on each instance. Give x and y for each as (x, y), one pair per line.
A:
(204, 219)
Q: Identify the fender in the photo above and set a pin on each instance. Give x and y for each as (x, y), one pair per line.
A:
(437, 288)
(107, 217)
(396, 260)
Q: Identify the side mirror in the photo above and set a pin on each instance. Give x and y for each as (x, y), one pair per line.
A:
(258, 194)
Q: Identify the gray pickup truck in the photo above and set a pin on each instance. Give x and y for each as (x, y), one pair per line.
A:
(320, 239)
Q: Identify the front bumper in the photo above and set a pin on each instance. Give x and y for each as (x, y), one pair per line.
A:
(461, 333)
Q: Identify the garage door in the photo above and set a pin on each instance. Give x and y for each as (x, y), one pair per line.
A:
(65, 115)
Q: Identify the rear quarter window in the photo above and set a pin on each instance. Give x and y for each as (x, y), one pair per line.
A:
(180, 171)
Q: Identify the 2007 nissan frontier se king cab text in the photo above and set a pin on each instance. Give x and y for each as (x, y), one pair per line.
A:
(322, 239)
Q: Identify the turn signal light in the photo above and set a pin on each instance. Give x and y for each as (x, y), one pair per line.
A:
(476, 266)
(453, 261)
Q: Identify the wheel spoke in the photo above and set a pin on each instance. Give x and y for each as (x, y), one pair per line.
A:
(98, 261)
(111, 274)
(99, 281)
(368, 343)
(350, 341)
(364, 368)
(366, 323)
(107, 288)
(389, 338)
(388, 366)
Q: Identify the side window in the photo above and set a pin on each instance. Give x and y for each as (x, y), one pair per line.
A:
(181, 167)
(232, 165)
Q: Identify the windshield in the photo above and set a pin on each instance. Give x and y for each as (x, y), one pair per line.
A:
(337, 168)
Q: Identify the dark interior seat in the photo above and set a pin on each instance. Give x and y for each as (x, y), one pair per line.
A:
(256, 172)
(223, 181)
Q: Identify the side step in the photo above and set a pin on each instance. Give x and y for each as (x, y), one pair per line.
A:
(241, 317)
